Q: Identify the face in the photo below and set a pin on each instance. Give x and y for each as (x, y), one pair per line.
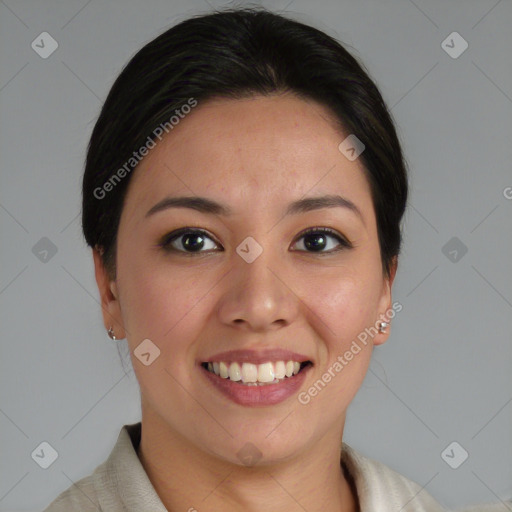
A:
(243, 283)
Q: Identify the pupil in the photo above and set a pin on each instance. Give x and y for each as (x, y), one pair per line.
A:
(190, 245)
(314, 241)
(312, 245)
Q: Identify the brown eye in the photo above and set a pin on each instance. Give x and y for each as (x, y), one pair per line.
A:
(317, 240)
(196, 241)
(188, 241)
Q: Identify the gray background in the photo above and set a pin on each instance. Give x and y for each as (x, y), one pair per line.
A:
(445, 373)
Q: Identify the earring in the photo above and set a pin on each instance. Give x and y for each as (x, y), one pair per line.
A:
(382, 326)
(111, 334)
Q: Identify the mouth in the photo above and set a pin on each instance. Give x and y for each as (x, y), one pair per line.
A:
(256, 378)
(253, 374)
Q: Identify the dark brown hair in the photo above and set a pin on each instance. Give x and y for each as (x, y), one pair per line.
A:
(237, 53)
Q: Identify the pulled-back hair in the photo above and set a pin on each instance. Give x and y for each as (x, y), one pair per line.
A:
(238, 53)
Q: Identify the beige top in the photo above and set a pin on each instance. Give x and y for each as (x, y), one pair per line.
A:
(120, 484)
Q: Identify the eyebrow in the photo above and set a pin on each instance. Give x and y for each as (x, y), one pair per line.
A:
(208, 206)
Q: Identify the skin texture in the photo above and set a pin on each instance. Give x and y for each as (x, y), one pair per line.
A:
(254, 155)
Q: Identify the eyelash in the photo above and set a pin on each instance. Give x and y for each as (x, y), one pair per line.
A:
(174, 235)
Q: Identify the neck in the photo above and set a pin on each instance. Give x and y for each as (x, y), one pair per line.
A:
(187, 478)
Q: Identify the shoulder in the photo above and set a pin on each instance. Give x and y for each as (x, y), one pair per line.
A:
(80, 496)
(381, 488)
(119, 483)
(489, 507)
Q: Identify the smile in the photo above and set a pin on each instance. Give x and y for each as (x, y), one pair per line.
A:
(250, 374)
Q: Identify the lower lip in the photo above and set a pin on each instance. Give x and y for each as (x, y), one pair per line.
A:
(268, 394)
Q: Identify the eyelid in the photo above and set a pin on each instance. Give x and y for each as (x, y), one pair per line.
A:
(329, 231)
(166, 240)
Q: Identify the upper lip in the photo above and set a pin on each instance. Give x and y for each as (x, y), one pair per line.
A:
(257, 356)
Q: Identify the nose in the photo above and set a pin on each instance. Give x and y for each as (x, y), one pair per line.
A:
(258, 296)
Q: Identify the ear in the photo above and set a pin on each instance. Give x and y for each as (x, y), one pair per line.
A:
(385, 303)
(110, 306)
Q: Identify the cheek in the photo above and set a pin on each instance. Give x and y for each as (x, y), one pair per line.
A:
(164, 306)
(147, 288)
(159, 301)
(164, 303)
(346, 301)
(347, 308)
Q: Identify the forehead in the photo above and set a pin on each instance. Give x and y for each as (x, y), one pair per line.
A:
(249, 153)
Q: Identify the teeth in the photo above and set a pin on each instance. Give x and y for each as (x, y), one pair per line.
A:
(254, 374)
(235, 372)
(249, 372)
(280, 369)
(266, 372)
(223, 370)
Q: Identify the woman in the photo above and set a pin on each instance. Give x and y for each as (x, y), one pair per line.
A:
(243, 193)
